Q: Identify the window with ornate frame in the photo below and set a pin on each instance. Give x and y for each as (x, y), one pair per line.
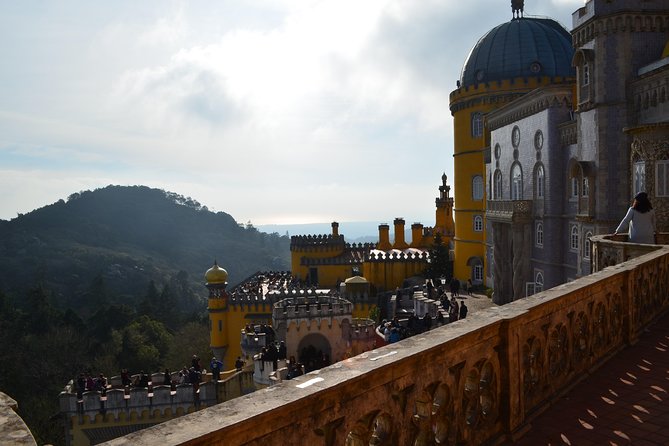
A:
(539, 234)
(574, 187)
(586, 245)
(540, 181)
(516, 182)
(573, 238)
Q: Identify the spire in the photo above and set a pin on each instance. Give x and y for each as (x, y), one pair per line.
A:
(517, 7)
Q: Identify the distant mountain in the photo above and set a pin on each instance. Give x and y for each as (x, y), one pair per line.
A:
(353, 231)
(111, 242)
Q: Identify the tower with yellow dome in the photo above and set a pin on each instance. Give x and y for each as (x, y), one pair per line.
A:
(216, 280)
(509, 61)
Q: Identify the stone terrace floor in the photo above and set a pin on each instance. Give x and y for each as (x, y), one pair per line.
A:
(624, 402)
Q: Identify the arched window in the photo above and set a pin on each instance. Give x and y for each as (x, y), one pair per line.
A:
(539, 234)
(497, 190)
(539, 282)
(478, 223)
(477, 187)
(477, 125)
(586, 245)
(540, 181)
(516, 182)
(573, 239)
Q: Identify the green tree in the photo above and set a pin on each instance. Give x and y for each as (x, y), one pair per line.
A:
(440, 262)
(144, 344)
(191, 339)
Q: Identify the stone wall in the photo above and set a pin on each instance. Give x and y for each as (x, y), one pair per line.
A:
(476, 381)
(13, 429)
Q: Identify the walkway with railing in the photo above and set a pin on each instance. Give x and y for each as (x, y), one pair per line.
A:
(625, 401)
(482, 380)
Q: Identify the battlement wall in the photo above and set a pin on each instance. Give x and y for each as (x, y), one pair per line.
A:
(298, 242)
(398, 257)
(288, 309)
(155, 401)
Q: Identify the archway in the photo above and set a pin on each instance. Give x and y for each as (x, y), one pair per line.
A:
(314, 351)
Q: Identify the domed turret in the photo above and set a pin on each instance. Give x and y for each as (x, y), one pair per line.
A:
(523, 47)
(216, 274)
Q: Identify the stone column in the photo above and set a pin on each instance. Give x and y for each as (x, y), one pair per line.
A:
(502, 253)
(521, 259)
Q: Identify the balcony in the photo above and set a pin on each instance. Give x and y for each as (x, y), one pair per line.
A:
(509, 211)
(481, 380)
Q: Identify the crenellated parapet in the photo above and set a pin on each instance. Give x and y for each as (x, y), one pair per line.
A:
(362, 330)
(309, 307)
(397, 256)
(498, 92)
(150, 404)
(318, 242)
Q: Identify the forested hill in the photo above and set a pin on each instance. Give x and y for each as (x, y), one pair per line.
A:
(109, 244)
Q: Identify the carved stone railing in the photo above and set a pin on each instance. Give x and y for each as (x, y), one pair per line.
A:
(609, 250)
(480, 380)
(509, 211)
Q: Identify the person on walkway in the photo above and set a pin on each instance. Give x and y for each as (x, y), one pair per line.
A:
(640, 219)
(454, 310)
(463, 309)
(469, 286)
(455, 287)
(216, 366)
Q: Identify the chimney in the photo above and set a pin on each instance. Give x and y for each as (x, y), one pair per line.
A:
(384, 238)
(399, 234)
(416, 235)
(335, 229)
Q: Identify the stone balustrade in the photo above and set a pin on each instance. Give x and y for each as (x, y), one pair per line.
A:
(509, 211)
(476, 381)
(608, 250)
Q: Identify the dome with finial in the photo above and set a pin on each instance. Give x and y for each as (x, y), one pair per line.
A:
(522, 47)
(216, 274)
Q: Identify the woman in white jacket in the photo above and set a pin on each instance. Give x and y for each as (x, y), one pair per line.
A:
(641, 220)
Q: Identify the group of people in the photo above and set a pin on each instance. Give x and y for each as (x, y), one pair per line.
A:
(273, 352)
(454, 285)
(86, 382)
(455, 311)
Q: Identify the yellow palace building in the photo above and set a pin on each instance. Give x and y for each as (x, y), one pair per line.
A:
(509, 61)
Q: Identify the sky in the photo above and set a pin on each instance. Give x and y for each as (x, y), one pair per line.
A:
(274, 111)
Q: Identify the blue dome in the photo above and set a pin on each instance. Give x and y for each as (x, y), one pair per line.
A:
(523, 47)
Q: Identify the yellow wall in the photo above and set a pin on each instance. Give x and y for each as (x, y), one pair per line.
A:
(361, 310)
(235, 318)
(302, 271)
(388, 275)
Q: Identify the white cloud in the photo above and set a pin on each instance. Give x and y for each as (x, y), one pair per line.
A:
(286, 109)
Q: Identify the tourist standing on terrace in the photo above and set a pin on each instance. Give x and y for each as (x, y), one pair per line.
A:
(640, 218)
